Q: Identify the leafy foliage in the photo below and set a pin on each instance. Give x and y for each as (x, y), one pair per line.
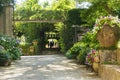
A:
(4, 58)
(73, 16)
(80, 49)
(57, 11)
(4, 55)
(34, 11)
(66, 31)
(63, 5)
(81, 57)
(112, 21)
(100, 8)
(90, 56)
(74, 51)
(11, 46)
(66, 35)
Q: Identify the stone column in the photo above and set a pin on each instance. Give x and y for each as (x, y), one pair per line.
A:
(2, 24)
(118, 56)
(6, 19)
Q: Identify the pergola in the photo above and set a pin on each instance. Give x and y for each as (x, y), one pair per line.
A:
(38, 21)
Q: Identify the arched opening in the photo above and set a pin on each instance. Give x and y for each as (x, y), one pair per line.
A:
(52, 40)
(30, 33)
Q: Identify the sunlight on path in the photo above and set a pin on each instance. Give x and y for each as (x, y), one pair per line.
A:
(45, 67)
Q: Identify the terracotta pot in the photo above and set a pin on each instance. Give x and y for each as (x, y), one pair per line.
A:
(5, 63)
(95, 66)
(96, 59)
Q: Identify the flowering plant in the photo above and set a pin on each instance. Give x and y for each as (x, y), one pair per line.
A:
(90, 56)
(110, 20)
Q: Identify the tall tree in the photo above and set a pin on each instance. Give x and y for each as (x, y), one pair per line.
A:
(100, 8)
(26, 9)
(63, 4)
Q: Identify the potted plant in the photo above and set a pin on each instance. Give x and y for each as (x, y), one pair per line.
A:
(107, 30)
(5, 58)
(93, 59)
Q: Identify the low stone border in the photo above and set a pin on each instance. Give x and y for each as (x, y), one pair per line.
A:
(109, 72)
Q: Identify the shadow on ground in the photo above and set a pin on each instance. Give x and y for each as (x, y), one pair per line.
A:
(45, 67)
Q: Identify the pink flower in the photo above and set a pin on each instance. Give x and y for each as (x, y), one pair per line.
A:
(89, 56)
(94, 51)
(92, 59)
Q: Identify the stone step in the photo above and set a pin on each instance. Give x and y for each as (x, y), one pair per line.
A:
(50, 52)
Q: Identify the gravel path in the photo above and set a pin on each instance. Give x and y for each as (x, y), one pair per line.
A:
(45, 67)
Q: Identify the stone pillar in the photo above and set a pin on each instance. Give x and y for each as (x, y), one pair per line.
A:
(6, 19)
(2, 24)
(118, 56)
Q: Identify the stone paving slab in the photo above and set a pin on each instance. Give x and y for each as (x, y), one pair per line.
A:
(46, 67)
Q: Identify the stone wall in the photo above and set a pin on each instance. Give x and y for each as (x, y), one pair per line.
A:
(6, 21)
(118, 56)
(108, 56)
(112, 56)
(109, 72)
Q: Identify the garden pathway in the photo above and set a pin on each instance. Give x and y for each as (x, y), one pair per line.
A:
(45, 67)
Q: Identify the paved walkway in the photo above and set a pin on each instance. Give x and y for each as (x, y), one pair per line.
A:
(45, 67)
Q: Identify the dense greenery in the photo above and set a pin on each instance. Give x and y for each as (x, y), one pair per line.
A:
(64, 11)
(97, 9)
(9, 50)
(66, 35)
(80, 49)
(66, 29)
(100, 8)
(58, 12)
(11, 46)
(5, 58)
(63, 5)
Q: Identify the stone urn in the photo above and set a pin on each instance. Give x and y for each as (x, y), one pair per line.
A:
(108, 36)
(95, 66)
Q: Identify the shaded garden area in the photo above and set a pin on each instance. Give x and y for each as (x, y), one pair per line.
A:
(88, 34)
(46, 67)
